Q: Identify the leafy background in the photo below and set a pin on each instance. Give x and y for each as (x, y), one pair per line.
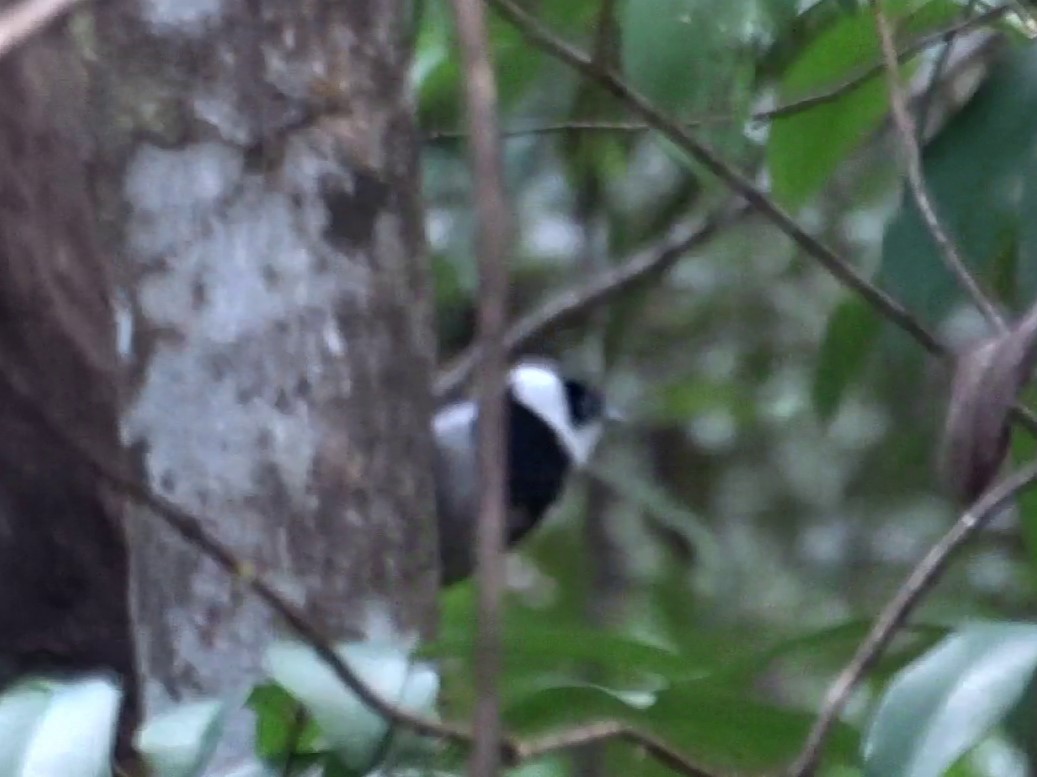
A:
(779, 480)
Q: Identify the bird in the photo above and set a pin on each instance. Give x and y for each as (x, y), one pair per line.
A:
(553, 425)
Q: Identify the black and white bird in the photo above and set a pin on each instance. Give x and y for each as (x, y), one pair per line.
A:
(553, 426)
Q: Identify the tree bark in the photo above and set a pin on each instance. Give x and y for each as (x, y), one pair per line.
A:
(257, 169)
(63, 558)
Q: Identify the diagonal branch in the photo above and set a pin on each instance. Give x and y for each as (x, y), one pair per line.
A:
(591, 733)
(929, 569)
(568, 306)
(910, 51)
(952, 258)
(839, 267)
(921, 580)
(540, 37)
(928, 96)
(191, 529)
(492, 242)
(827, 95)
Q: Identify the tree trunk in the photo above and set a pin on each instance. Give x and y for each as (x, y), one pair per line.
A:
(257, 169)
(63, 559)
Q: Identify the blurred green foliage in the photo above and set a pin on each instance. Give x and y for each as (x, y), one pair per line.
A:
(778, 481)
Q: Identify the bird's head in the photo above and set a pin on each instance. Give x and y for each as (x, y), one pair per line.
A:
(575, 411)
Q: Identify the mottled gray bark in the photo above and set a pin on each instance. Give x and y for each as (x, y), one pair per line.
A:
(258, 170)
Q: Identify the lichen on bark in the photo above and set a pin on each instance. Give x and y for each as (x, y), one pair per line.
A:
(257, 173)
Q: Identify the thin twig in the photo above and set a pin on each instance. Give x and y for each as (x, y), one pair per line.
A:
(890, 308)
(191, 529)
(492, 241)
(566, 307)
(915, 179)
(929, 95)
(28, 18)
(574, 125)
(922, 579)
(840, 268)
(540, 37)
(827, 95)
(917, 47)
(603, 557)
(662, 752)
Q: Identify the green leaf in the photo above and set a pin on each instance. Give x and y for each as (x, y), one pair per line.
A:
(436, 72)
(548, 645)
(277, 735)
(946, 702)
(544, 709)
(805, 147)
(849, 338)
(180, 742)
(830, 643)
(352, 729)
(708, 723)
(545, 646)
(709, 720)
(570, 17)
(674, 51)
(975, 169)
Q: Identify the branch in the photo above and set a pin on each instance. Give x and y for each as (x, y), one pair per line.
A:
(928, 96)
(840, 268)
(791, 108)
(572, 304)
(604, 731)
(540, 37)
(927, 572)
(28, 18)
(952, 258)
(950, 32)
(921, 580)
(191, 529)
(493, 238)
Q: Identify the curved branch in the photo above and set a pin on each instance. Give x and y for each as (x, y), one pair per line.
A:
(591, 733)
(836, 265)
(540, 37)
(921, 580)
(572, 304)
(191, 529)
(916, 184)
(790, 108)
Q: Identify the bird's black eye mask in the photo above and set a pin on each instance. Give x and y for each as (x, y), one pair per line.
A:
(585, 403)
